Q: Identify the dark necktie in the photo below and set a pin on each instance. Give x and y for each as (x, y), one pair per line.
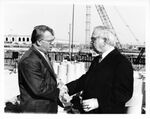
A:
(47, 59)
(100, 58)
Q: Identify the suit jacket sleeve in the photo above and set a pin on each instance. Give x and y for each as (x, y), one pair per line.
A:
(40, 86)
(77, 85)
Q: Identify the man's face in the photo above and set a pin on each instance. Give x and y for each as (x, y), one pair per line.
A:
(97, 41)
(47, 41)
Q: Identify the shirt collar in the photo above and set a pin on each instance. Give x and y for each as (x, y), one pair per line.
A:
(107, 52)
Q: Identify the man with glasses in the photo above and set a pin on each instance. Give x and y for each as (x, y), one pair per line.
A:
(108, 84)
(37, 80)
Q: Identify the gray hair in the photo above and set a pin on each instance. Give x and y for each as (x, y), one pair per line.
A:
(107, 34)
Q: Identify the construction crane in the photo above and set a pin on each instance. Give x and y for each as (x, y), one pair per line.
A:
(141, 53)
(106, 21)
(142, 50)
(125, 23)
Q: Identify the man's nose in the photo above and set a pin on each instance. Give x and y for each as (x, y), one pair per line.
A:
(52, 43)
(91, 42)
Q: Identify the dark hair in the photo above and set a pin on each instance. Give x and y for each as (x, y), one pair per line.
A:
(38, 32)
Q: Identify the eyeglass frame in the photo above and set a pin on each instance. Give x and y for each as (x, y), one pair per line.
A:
(93, 39)
(49, 41)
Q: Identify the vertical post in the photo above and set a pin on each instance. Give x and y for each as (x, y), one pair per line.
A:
(88, 25)
(70, 41)
(72, 30)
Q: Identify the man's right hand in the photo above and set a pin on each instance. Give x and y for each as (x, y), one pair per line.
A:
(63, 94)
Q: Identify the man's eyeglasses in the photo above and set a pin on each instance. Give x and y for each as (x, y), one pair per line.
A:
(94, 38)
(49, 41)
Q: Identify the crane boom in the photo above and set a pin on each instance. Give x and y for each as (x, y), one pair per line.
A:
(126, 23)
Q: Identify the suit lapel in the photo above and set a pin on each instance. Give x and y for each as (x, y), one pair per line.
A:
(45, 62)
(109, 56)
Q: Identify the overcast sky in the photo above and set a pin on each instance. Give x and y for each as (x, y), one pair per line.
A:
(21, 17)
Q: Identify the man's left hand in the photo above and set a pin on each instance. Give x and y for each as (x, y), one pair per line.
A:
(90, 104)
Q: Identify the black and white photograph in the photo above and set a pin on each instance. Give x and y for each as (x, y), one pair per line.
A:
(74, 57)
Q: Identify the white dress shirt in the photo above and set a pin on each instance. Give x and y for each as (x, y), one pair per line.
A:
(106, 53)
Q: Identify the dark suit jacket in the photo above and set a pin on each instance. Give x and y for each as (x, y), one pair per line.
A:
(110, 81)
(37, 83)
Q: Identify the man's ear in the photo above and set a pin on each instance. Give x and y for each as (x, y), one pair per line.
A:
(38, 43)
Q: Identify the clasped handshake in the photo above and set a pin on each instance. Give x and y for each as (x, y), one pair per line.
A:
(88, 104)
(63, 94)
